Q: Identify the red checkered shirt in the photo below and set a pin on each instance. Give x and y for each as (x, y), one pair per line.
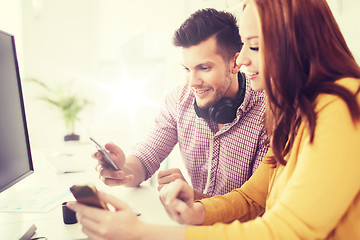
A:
(236, 150)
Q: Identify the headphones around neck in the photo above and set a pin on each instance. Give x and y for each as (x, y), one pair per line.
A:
(224, 111)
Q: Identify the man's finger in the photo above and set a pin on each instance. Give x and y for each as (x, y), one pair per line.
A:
(108, 173)
(97, 155)
(168, 172)
(114, 150)
(170, 191)
(169, 178)
(160, 187)
(115, 182)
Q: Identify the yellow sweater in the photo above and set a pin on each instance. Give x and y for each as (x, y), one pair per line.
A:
(315, 196)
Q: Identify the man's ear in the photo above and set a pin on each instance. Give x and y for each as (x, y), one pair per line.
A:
(235, 67)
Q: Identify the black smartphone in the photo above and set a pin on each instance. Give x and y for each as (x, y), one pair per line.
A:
(87, 194)
(106, 156)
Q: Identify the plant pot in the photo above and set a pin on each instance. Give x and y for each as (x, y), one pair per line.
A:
(72, 137)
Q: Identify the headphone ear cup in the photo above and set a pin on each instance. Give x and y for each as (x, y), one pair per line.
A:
(223, 111)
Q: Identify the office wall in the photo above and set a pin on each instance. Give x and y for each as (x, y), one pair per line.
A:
(11, 22)
(60, 50)
(102, 51)
(117, 54)
(347, 15)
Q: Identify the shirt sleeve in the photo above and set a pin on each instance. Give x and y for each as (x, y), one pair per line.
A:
(314, 194)
(261, 150)
(162, 138)
(244, 203)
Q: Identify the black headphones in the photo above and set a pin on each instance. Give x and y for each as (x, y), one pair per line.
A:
(224, 111)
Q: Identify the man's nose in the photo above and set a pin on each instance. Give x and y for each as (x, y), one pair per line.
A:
(194, 79)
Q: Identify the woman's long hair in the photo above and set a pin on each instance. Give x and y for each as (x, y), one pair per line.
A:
(304, 54)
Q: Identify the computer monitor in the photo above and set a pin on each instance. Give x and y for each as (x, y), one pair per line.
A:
(15, 155)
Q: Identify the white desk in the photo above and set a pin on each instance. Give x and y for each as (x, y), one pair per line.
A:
(50, 224)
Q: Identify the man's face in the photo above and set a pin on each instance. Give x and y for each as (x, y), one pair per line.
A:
(207, 73)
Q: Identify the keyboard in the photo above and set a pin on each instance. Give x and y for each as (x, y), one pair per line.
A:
(34, 199)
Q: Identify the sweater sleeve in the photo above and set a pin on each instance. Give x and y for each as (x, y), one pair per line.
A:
(317, 192)
(245, 203)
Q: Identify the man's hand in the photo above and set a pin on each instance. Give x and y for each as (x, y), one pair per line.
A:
(168, 176)
(178, 200)
(108, 176)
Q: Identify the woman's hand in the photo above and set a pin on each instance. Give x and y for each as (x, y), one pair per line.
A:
(178, 200)
(103, 224)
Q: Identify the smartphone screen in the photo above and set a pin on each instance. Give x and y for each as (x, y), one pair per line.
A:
(87, 194)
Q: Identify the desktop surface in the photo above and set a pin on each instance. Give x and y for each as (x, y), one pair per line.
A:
(50, 223)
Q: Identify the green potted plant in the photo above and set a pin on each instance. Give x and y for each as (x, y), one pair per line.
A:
(69, 104)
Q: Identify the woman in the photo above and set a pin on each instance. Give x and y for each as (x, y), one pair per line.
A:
(308, 185)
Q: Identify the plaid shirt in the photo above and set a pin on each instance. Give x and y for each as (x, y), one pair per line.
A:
(234, 151)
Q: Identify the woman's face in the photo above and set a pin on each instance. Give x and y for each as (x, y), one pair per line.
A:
(250, 56)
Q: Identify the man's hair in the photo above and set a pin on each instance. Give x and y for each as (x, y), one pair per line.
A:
(207, 23)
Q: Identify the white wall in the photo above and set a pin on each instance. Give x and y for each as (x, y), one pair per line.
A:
(11, 22)
(115, 54)
(118, 54)
(347, 15)
(60, 50)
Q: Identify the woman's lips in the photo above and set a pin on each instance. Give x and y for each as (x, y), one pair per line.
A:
(252, 76)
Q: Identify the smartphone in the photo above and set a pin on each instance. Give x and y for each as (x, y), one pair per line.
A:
(106, 156)
(87, 194)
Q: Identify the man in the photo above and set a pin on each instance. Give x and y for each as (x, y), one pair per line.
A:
(216, 118)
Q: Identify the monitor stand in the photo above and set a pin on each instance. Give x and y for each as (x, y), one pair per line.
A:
(29, 233)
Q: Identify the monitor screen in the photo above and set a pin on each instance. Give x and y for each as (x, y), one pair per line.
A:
(15, 155)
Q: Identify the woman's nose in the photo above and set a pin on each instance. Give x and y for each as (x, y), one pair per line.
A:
(242, 59)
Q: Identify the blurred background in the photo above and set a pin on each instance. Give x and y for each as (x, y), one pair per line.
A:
(115, 54)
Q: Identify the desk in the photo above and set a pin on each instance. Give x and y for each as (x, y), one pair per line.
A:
(50, 224)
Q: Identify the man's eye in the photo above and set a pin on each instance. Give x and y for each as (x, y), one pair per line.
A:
(186, 69)
(205, 68)
(254, 48)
